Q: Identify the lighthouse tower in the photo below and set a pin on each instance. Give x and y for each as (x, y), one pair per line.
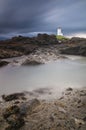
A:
(59, 32)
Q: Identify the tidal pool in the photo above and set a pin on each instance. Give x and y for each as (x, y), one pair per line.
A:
(58, 74)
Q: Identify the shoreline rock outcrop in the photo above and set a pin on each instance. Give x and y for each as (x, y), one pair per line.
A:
(18, 46)
(77, 50)
(65, 113)
(76, 46)
(40, 49)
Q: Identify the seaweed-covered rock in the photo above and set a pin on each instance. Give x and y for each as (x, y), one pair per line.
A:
(13, 117)
(11, 110)
(14, 96)
(15, 121)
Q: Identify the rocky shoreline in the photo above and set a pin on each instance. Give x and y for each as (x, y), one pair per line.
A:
(39, 56)
(20, 111)
(27, 110)
(40, 49)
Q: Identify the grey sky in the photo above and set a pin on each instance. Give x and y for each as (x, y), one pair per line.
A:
(23, 16)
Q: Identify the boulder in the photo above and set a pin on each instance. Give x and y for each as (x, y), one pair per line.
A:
(13, 117)
(69, 89)
(14, 96)
(11, 110)
(15, 122)
(3, 63)
(29, 106)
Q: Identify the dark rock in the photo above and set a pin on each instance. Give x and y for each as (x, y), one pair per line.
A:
(13, 117)
(3, 63)
(79, 101)
(69, 89)
(29, 106)
(23, 98)
(32, 62)
(33, 102)
(15, 124)
(79, 106)
(14, 96)
(61, 98)
(84, 118)
(15, 121)
(68, 93)
(58, 124)
(83, 94)
(16, 102)
(76, 46)
(11, 110)
(52, 118)
(77, 50)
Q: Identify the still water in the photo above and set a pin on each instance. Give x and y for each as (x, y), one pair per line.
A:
(58, 74)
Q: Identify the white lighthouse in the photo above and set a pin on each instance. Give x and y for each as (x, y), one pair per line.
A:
(59, 32)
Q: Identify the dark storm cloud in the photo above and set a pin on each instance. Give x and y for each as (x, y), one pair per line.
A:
(19, 16)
